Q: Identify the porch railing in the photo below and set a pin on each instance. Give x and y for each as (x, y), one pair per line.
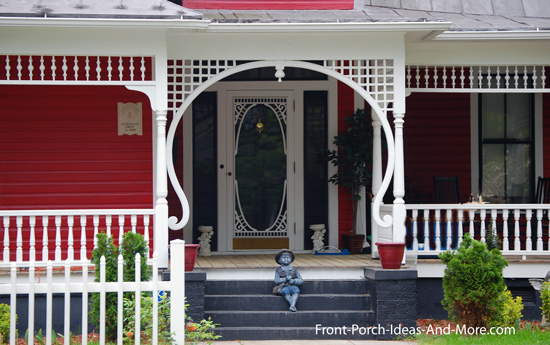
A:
(42, 235)
(522, 229)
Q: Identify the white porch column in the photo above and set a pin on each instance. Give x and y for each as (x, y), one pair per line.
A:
(161, 204)
(399, 210)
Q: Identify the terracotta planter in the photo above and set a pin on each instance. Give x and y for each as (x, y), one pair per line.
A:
(391, 254)
(191, 251)
(353, 242)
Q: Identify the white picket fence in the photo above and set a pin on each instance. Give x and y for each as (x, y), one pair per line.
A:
(79, 283)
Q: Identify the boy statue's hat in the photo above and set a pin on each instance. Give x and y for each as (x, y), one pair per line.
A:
(281, 252)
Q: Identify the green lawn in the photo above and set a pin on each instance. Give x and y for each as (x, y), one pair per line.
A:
(523, 336)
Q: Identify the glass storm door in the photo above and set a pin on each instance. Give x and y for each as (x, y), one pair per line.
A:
(258, 189)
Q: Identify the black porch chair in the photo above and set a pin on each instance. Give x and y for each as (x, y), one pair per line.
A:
(542, 195)
(447, 190)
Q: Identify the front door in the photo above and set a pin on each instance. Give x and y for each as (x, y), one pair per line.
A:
(257, 175)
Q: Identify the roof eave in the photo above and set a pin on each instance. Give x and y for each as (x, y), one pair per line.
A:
(536, 34)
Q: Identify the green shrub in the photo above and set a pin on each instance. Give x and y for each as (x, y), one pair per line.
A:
(146, 324)
(131, 245)
(473, 283)
(545, 296)
(5, 321)
(510, 310)
(199, 332)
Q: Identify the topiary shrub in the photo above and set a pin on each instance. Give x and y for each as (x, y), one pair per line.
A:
(473, 283)
(545, 296)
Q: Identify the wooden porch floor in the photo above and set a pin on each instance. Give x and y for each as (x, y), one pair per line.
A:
(267, 261)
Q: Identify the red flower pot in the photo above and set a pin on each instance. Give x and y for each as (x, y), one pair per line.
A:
(191, 251)
(391, 254)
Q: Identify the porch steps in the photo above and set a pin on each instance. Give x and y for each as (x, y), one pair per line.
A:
(247, 310)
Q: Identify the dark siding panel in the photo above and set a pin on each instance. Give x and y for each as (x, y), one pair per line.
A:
(60, 148)
(545, 133)
(437, 142)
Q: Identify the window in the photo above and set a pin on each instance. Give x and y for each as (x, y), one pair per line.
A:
(506, 147)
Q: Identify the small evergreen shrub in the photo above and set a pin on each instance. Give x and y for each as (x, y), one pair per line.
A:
(510, 311)
(131, 245)
(473, 283)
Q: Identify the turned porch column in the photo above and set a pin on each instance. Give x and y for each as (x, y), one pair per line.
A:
(399, 210)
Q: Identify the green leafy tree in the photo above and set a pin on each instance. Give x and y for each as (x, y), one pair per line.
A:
(473, 283)
(353, 157)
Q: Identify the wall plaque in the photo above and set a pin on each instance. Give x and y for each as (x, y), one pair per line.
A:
(130, 117)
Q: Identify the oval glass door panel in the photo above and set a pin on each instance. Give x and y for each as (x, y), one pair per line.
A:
(260, 167)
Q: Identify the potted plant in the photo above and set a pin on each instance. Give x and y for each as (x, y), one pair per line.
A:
(354, 161)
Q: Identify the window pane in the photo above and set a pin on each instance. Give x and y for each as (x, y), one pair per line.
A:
(518, 176)
(493, 172)
(492, 112)
(518, 110)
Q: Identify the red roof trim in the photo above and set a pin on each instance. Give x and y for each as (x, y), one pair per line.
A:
(269, 4)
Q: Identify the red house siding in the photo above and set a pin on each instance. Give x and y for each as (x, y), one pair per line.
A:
(436, 142)
(269, 4)
(60, 149)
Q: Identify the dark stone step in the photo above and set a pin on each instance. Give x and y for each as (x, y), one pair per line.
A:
(291, 333)
(265, 287)
(277, 303)
(335, 318)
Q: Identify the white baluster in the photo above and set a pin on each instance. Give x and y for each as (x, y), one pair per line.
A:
(42, 68)
(480, 78)
(49, 302)
(146, 230)
(507, 78)
(436, 77)
(525, 77)
(32, 239)
(19, 240)
(133, 221)
(120, 69)
(31, 68)
(120, 324)
(6, 220)
(460, 215)
(108, 223)
(64, 68)
(143, 68)
(471, 216)
(132, 68)
(87, 68)
(57, 238)
(76, 68)
(471, 77)
(438, 230)
(528, 240)
(426, 217)
(498, 77)
(121, 220)
(505, 234)
(30, 315)
(539, 230)
(19, 68)
(483, 215)
(449, 230)
(70, 240)
(408, 75)
(8, 67)
(534, 77)
(138, 300)
(45, 251)
(54, 68)
(427, 77)
(98, 68)
(83, 251)
(417, 76)
(462, 77)
(102, 293)
(516, 77)
(453, 77)
(84, 303)
(415, 229)
(543, 83)
(109, 69)
(517, 244)
(444, 77)
(494, 222)
(96, 229)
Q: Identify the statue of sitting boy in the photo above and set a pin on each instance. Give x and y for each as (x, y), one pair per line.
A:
(288, 277)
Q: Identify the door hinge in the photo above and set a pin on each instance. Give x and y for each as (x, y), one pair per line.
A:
(294, 165)
(294, 228)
